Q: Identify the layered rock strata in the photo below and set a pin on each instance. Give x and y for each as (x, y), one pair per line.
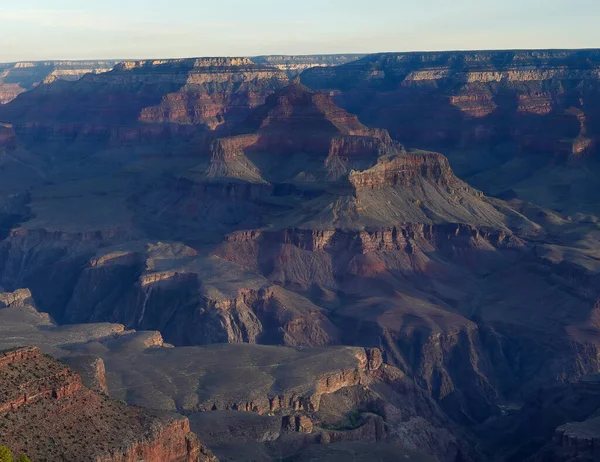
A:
(50, 415)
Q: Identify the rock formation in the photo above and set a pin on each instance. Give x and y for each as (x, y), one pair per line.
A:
(17, 78)
(344, 286)
(506, 119)
(304, 396)
(49, 414)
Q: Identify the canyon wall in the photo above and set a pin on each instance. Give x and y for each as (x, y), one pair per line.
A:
(49, 414)
(17, 78)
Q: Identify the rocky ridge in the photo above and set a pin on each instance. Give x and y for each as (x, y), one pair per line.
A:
(45, 405)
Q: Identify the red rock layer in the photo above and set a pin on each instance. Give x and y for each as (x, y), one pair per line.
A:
(49, 414)
(405, 170)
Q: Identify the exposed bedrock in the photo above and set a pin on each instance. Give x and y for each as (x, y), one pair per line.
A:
(48, 413)
(541, 100)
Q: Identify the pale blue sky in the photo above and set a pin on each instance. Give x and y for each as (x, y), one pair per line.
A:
(80, 29)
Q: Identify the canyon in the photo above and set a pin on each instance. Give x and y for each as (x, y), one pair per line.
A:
(303, 255)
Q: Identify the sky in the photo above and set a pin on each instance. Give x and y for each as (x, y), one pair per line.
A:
(128, 29)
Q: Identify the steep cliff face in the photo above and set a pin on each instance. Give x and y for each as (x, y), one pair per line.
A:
(27, 253)
(50, 415)
(477, 96)
(447, 352)
(405, 170)
(193, 300)
(510, 114)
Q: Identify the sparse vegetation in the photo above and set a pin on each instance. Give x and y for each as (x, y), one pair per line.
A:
(354, 421)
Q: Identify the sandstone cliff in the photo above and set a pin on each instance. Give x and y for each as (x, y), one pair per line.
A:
(50, 415)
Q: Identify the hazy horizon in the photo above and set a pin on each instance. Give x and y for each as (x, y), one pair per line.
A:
(133, 29)
(144, 58)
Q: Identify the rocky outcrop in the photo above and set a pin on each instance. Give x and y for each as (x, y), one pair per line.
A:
(50, 415)
(404, 170)
(16, 298)
(92, 371)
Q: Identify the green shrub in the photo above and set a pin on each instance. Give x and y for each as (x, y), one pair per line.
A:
(23, 458)
(5, 454)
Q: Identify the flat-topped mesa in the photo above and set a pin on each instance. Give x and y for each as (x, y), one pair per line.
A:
(373, 143)
(185, 63)
(405, 170)
(47, 412)
(230, 148)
